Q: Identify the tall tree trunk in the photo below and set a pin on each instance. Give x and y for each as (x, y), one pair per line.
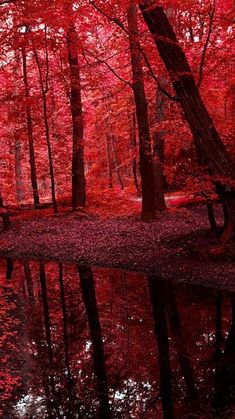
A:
(89, 298)
(158, 153)
(44, 90)
(133, 147)
(78, 171)
(146, 164)
(205, 135)
(109, 163)
(16, 111)
(157, 289)
(158, 149)
(18, 170)
(114, 162)
(33, 173)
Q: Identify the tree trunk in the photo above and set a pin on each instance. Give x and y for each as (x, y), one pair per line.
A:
(4, 214)
(146, 164)
(16, 111)
(114, 162)
(108, 158)
(158, 149)
(133, 147)
(78, 171)
(89, 298)
(33, 173)
(46, 124)
(207, 139)
(158, 152)
(18, 171)
(48, 140)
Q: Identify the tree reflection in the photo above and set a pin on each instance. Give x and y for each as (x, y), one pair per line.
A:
(225, 369)
(71, 396)
(112, 345)
(158, 295)
(180, 343)
(89, 297)
(9, 268)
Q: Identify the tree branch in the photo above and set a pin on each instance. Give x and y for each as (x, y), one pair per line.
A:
(2, 2)
(211, 15)
(174, 98)
(110, 68)
(110, 18)
(121, 25)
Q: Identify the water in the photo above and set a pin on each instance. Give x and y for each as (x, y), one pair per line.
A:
(82, 342)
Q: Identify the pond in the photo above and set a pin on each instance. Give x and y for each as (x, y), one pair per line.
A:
(87, 342)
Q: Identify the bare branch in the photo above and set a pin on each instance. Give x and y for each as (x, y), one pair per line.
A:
(110, 68)
(110, 18)
(121, 25)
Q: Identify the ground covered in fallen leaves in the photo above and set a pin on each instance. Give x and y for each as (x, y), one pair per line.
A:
(173, 246)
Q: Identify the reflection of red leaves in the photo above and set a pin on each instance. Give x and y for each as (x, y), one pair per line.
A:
(10, 378)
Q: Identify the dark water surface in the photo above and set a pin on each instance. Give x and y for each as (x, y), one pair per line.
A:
(82, 342)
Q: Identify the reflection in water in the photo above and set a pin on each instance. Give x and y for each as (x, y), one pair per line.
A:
(89, 298)
(78, 342)
(158, 296)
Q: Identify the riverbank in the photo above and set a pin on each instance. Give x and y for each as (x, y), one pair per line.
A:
(173, 246)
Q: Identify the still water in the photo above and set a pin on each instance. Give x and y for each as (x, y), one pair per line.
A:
(86, 342)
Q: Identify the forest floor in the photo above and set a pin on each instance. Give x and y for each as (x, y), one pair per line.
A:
(174, 246)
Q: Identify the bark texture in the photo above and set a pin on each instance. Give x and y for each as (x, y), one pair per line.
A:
(158, 148)
(133, 147)
(4, 214)
(208, 142)
(33, 173)
(44, 91)
(146, 164)
(78, 172)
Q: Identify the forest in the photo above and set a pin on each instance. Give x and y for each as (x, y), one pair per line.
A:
(117, 209)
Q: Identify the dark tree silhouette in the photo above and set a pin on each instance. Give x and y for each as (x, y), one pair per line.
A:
(89, 298)
(205, 135)
(158, 296)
